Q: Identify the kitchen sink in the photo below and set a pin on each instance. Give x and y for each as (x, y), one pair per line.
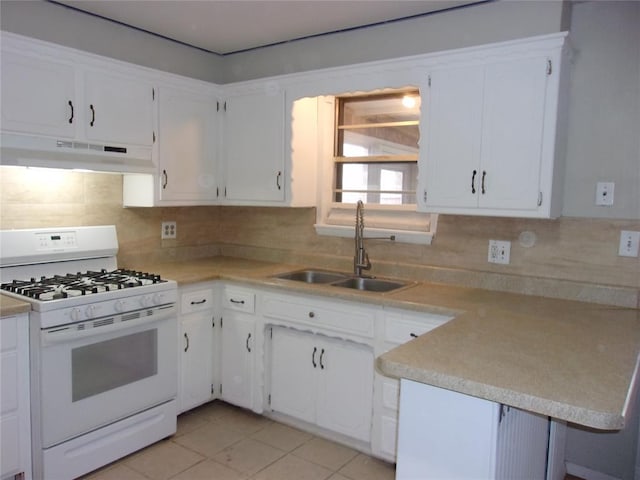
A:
(312, 276)
(337, 279)
(369, 284)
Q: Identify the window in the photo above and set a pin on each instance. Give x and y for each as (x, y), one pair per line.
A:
(368, 150)
(376, 148)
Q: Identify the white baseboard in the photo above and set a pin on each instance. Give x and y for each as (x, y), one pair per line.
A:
(587, 473)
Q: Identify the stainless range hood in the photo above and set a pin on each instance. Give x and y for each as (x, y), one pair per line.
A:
(36, 151)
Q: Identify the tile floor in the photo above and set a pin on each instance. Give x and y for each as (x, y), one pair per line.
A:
(220, 442)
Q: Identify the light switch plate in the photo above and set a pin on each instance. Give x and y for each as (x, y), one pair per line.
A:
(604, 193)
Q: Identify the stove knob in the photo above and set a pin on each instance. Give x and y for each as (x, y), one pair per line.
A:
(75, 314)
(120, 306)
(90, 311)
(145, 301)
(158, 298)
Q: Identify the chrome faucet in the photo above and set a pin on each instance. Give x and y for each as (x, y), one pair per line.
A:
(361, 258)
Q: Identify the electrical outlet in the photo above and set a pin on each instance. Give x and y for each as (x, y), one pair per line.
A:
(499, 251)
(629, 242)
(169, 230)
(604, 193)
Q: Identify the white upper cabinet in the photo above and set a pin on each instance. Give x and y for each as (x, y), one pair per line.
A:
(38, 96)
(118, 109)
(490, 135)
(187, 150)
(253, 145)
(77, 111)
(187, 145)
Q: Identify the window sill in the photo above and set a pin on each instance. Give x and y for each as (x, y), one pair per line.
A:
(402, 236)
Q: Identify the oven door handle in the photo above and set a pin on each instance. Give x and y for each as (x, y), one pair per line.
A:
(70, 333)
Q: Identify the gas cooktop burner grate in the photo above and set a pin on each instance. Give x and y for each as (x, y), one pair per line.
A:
(81, 283)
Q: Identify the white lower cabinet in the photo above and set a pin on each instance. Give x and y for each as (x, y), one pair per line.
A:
(321, 380)
(398, 327)
(449, 435)
(238, 348)
(197, 348)
(15, 424)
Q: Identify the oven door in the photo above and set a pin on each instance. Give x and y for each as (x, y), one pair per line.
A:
(91, 377)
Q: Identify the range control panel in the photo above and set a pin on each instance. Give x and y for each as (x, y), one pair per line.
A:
(56, 240)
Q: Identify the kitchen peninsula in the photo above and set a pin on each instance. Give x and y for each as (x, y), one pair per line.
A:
(568, 360)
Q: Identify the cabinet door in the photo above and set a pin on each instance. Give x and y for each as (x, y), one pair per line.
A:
(451, 153)
(15, 424)
(237, 344)
(197, 359)
(345, 388)
(294, 360)
(254, 153)
(38, 96)
(187, 138)
(512, 128)
(118, 109)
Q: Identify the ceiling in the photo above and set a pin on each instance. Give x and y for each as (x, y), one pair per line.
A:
(230, 26)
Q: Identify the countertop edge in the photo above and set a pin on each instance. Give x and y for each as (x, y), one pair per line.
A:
(524, 401)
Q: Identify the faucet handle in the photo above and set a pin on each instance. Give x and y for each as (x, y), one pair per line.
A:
(367, 263)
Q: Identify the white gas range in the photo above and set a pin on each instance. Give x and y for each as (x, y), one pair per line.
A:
(103, 347)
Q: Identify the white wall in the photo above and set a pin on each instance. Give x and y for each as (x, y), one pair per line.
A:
(604, 111)
(461, 27)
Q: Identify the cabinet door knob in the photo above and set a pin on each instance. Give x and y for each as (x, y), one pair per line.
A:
(313, 357)
(473, 181)
(93, 115)
(240, 302)
(247, 343)
(321, 355)
(484, 175)
(413, 335)
(311, 314)
(199, 302)
(165, 179)
(278, 176)
(71, 106)
(186, 340)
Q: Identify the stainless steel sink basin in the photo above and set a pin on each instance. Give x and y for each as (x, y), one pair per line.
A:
(369, 284)
(312, 276)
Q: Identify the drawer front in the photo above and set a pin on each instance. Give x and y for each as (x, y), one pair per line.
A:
(353, 320)
(239, 299)
(197, 301)
(390, 393)
(399, 329)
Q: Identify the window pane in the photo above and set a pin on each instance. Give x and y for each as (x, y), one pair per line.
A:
(379, 109)
(401, 140)
(384, 183)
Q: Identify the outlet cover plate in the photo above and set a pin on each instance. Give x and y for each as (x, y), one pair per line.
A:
(629, 243)
(169, 230)
(499, 251)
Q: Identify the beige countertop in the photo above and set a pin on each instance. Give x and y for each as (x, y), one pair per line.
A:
(573, 361)
(11, 306)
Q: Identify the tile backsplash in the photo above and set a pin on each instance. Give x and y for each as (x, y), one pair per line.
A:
(572, 257)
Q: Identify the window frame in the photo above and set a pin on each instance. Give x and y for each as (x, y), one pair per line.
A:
(333, 218)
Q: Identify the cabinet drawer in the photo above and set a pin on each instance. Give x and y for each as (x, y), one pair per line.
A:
(400, 328)
(390, 393)
(342, 318)
(239, 299)
(197, 300)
